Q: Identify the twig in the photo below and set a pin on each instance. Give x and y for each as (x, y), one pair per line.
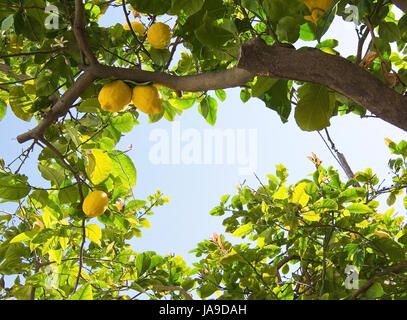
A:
(281, 263)
(33, 53)
(81, 254)
(79, 31)
(133, 32)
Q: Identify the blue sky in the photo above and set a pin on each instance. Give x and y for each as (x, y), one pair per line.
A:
(195, 189)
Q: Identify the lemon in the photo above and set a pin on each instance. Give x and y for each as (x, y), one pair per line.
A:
(138, 27)
(317, 9)
(147, 99)
(159, 35)
(95, 203)
(114, 96)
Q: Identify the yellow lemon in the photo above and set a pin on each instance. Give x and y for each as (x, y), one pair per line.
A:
(95, 203)
(114, 96)
(147, 99)
(138, 27)
(159, 35)
(317, 9)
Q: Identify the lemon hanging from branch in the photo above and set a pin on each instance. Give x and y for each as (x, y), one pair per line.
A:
(159, 35)
(317, 9)
(138, 27)
(115, 96)
(95, 203)
(147, 99)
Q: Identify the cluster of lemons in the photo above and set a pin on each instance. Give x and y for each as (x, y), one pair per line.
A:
(115, 96)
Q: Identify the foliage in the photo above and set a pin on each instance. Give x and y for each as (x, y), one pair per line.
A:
(311, 230)
(298, 240)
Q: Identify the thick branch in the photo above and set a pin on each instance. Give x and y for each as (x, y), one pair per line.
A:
(200, 82)
(59, 109)
(337, 73)
(256, 58)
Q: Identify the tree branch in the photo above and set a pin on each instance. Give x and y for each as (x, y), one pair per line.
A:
(230, 78)
(79, 31)
(59, 109)
(256, 58)
(369, 283)
(334, 72)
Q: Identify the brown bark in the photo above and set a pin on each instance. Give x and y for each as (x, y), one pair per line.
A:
(335, 72)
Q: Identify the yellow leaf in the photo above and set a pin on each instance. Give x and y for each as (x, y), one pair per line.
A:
(383, 234)
(299, 194)
(97, 165)
(311, 216)
(94, 233)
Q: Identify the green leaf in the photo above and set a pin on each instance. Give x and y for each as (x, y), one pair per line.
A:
(359, 208)
(243, 230)
(182, 104)
(262, 85)
(28, 25)
(220, 93)
(93, 233)
(3, 109)
(375, 291)
(351, 195)
(277, 99)
(187, 7)
(123, 122)
(389, 31)
(20, 103)
(188, 284)
(212, 35)
(91, 105)
(206, 290)
(288, 29)
(97, 165)
(274, 9)
(156, 7)
(314, 108)
(208, 109)
(13, 187)
(7, 23)
(143, 262)
(325, 205)
(160, 56)
(123, 167)
(84, 293)
(245, 95)
(56, 177)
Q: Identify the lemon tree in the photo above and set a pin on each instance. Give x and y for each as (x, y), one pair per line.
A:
(80, 86)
